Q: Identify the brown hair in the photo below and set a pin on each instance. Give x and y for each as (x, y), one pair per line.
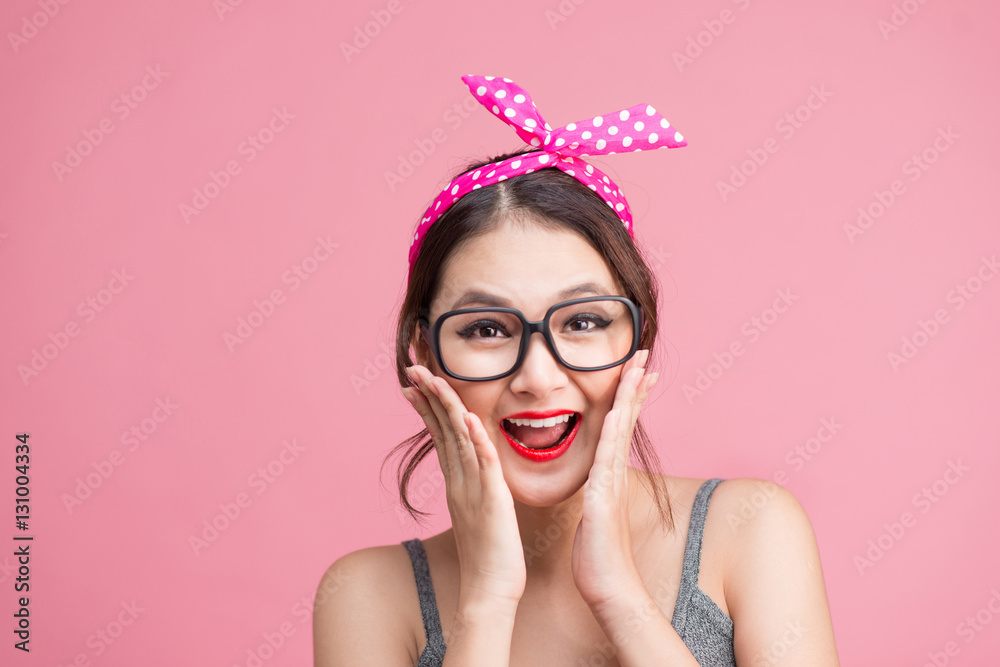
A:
(555, 200)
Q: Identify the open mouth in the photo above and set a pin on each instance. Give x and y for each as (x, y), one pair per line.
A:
(541, 434)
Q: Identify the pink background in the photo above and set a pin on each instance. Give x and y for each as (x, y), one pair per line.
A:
(315, 372)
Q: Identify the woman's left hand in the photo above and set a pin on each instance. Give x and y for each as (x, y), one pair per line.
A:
(603, 564)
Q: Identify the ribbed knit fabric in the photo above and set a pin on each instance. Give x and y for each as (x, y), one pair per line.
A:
(704, 627)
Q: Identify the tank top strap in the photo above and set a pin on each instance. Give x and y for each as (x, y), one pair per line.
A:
(428, 604)
(692, 552)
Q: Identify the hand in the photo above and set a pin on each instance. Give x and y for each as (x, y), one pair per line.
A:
(603, 564)
(490, 553)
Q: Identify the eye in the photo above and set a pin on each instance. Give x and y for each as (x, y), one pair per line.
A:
(483, 329)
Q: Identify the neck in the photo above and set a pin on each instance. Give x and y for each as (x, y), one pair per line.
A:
(547, 533)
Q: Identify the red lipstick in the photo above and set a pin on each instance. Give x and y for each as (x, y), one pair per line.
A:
(541, 455)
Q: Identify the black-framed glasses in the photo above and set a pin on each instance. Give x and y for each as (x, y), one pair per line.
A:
(489, 343)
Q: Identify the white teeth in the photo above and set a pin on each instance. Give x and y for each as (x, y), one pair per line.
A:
(539, 423)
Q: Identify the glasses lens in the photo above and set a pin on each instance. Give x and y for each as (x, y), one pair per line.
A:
(480, 345)
(591, 334)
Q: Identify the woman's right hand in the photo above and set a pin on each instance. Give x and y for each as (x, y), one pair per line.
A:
(490, 553)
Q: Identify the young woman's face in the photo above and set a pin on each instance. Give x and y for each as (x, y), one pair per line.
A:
(530, 268)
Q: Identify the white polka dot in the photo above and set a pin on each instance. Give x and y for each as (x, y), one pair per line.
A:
(548, 138)
(506, 80)
(476, 175)
(515, 164)
(454, 189)
(650, 110)
(501, 178)
(590, 169)
(510, 113)
(543, 158)
(437, 205)
(536, 142)
(601, 143)
(519, 98)
(575, 145)
(653, 138)
(477, 186)
(586, 135)
(620, 207)
(529, 171)
(481, 90)
(607, 189)
(490, 175)
(627, 141)
(500, 94)
(636, 150)
(571, 127)
(606, 180)
(490, 78)
(624, 114)
(548, 127)
(612, 130)
(678, 136)
(598, 120)
(664, 123)
(560, 141)
(571, 172)
(592, 187)
(530, 122)
(496, 109)
(639, 125)
(609, 203)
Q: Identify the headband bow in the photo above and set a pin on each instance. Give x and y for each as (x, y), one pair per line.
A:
(637, 128)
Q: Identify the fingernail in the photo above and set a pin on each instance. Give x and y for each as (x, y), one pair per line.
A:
(431, 384)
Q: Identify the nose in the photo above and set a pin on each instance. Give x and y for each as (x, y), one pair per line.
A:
(540, 373)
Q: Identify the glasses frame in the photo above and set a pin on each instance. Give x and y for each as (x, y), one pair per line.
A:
(432, 334)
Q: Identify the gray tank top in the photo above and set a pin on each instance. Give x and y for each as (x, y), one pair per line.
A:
(704, 627)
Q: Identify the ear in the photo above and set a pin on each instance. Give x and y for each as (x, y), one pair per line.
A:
(421, 350)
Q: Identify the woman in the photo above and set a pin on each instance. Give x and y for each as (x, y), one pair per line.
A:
(559, 552)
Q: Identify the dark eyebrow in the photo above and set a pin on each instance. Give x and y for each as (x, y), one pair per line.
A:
(486, 299)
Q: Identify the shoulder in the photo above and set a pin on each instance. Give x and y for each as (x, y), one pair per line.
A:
(773, 578)
(362, 601)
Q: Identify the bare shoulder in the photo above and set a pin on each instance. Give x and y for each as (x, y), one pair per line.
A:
(774, 583)
(362, 614)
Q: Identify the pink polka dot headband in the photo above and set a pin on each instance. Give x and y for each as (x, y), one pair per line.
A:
(634, 129)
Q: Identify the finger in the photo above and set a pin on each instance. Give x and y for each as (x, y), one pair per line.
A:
(605, 454)
(423, 408)
(456, 412)
(490, 473)
(446, 437)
